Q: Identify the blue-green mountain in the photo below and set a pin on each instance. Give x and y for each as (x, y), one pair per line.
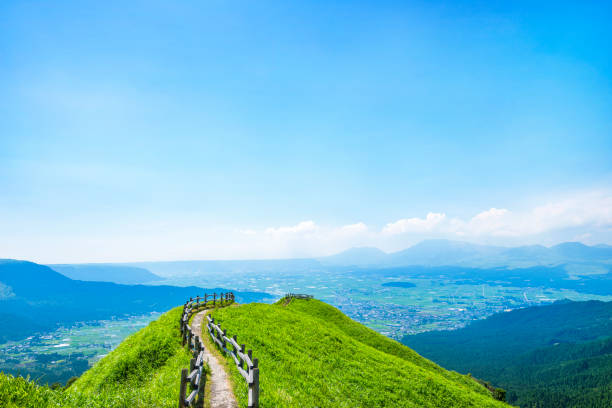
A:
(34, 298)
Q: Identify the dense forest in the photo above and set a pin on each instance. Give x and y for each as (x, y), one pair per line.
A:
(558, 355)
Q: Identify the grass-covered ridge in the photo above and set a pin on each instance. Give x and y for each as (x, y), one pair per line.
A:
(142, 372)
(311, 355)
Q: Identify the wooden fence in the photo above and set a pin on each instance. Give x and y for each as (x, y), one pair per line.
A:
(247, 365)
(297, 296)
(195, 378)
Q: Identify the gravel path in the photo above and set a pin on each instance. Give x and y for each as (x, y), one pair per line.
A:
(220, 395)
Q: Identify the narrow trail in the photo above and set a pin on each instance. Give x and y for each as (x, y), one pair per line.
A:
(220, 395)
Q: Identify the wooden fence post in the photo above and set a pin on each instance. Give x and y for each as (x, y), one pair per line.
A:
(192, 363)
(214, 298)
(183, 388)
(201, 388)
(253, 396)
(242, 347)
(197, 344)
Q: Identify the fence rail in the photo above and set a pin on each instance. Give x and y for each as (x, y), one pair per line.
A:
(195, 377)
(297, 296)
(247, 366)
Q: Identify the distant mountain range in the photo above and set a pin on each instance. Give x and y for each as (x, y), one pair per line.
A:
(34, 298)
(444, 252)
(128, 275)
(575, 257)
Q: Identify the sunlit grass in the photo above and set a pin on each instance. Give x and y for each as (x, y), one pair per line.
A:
(310, 355)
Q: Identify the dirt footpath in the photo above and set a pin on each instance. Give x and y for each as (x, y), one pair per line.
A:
(220, 394)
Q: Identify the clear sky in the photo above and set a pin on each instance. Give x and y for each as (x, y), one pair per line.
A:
(150, 130)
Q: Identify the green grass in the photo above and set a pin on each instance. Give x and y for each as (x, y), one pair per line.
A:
(311, 355)
(144, 371)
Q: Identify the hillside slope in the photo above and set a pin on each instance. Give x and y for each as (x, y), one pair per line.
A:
(125, 275)
(28, 289)
(141, 372)
(558, 355)
(311, 355)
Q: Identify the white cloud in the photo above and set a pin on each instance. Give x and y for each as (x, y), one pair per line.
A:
(494, 221)
(582, 211)
(300, 228)
(415, 225)
(352, 229)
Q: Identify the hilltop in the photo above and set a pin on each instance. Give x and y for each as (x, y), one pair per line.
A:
(310, 354)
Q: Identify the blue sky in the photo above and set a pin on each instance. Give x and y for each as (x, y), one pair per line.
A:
(211, 129)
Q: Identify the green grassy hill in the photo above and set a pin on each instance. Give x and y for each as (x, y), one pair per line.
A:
(312, 355)
(142, 372)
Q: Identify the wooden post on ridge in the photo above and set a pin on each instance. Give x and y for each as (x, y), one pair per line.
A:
(242, 347)
(201, 388)
(253, 395)
(183, 388)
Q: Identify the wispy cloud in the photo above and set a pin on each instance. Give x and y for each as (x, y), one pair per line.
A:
(300, 228)
(415, 225)
(352, 229)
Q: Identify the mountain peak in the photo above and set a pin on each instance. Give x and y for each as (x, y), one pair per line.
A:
(356, 256)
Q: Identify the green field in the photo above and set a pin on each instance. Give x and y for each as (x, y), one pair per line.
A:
(68, 351)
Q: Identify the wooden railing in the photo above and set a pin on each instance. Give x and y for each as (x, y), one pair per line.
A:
(297, 296)
(195, 378)
(248, 366)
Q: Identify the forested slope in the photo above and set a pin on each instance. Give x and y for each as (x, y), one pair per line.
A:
(558, 355)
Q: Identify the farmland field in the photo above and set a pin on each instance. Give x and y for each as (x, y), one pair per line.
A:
(440, 302)
(68, 351)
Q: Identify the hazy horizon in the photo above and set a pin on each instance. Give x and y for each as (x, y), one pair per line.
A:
(324, 255)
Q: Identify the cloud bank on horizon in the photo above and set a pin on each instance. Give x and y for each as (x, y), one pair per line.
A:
(584, 216)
